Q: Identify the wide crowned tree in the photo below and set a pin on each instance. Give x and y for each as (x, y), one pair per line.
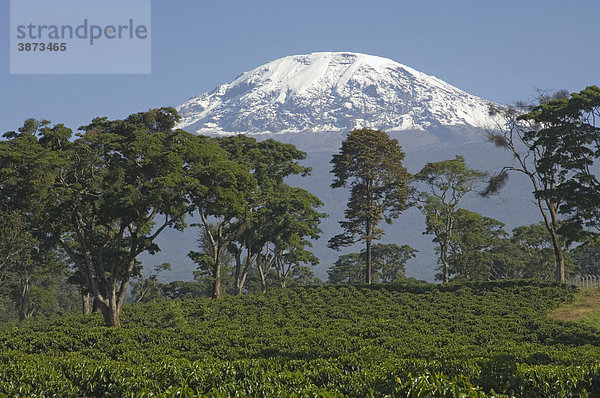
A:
(106, 195)
(370, 162)
(568, 133)
(555, 144)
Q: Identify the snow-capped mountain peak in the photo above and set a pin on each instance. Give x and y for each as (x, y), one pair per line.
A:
(331, 91)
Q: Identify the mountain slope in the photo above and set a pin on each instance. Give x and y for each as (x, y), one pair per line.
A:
(331, 91)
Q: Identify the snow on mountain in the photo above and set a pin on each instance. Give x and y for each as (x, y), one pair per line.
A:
(332, 91)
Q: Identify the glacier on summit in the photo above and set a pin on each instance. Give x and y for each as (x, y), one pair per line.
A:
(332, 92)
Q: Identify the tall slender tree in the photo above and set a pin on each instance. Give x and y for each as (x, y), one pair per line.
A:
(370, 162)
(222, 213)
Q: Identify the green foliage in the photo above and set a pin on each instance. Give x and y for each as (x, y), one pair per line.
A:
(418, 340)
(555, 144)
(470, 252)
(303, 276)
(185, 290)
(148, 288)
(388, 264)
(534, 252)
(226, 202)
(586, 258)
(371, 163)
(349, 268)
(99, 195)
(32, 273)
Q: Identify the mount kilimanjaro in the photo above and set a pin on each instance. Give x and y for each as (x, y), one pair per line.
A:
(314, 100)
(332, 92)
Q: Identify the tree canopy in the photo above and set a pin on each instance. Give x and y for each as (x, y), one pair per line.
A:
(278, 220)
(105, 195)
(516, 132)
(570, 138)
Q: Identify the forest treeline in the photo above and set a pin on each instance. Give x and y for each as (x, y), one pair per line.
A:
(77, 209)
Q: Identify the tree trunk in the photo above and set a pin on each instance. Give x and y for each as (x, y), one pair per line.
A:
(85, 303)
(263, 282)
(263, 276)
(282, 273)
(110, 306)
(24, 301)
(216, 294)
(560, 260)
(248, 260)
(95, 305)
(111, 312)
(446, 243)
(552, 226)
(111, 316)
(369, 256)
(445, 265)
(238, 271)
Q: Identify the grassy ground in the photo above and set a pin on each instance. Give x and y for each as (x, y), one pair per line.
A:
(585, 308)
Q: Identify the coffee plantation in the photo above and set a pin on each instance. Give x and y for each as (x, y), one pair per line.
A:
(488, 339)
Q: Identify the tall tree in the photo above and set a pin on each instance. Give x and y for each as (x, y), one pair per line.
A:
(222, 213)
(570, 138)
(288, 221)
(106, 196)
(437, 191)
(36, 280)
(371, 163)
(213, 260)
(278, 220)
(32, 271)
(520, 133)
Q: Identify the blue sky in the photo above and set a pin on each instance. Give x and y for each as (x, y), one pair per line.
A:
(498, 50)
